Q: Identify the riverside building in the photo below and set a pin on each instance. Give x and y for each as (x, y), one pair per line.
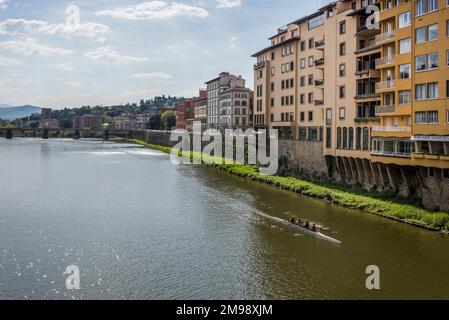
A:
(375, 98)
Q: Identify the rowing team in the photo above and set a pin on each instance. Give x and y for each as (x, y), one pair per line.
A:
(304, 224)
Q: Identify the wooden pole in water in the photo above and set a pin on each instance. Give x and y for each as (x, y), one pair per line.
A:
(45, 134)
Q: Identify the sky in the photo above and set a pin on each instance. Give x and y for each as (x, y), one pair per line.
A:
(61, 54)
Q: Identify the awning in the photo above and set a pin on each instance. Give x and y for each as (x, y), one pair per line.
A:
(431, 138)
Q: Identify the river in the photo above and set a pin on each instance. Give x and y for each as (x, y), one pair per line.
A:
(139, 227)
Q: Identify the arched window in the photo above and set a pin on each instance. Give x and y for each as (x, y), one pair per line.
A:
(351, 138)
(358, 145)
(345, 138)
(365, 138)
(338, 138)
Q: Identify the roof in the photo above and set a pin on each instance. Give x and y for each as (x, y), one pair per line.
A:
(275, 46)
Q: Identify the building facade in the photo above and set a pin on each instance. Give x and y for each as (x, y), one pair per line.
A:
(235, 111)
(374, 95)
(200, 109)
(125, 121)
(223, 82)
(87, 122)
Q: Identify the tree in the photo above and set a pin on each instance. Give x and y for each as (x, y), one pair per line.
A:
(155, 122)
(168, 119)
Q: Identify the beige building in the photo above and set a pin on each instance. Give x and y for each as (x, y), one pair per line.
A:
(235, 108)
(215, 86)
(125, 121)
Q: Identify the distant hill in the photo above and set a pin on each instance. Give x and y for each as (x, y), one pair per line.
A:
(11, 113)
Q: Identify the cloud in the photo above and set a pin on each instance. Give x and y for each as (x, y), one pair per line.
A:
(29, 46)
(229, 3)
(88, 30)
(63, 66)
(110, 55)
(154, 75)
(4, 4)
(232, 41)
(155, 10)
(5, 62)
(73, 84)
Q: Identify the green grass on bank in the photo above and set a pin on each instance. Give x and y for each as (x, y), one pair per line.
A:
(390, 206)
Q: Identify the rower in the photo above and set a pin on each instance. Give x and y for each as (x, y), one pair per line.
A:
(314, 228)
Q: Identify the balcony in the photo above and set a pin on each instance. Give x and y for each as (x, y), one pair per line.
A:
(319, 44)
(319, 83)
(385, 86)
(385, 62)
(385, 109)
(368, 73)
(319, 102)
(361, 120)
(366, 31)
(386, 153)
(259, 65)
(366, 95)
(392, 129)
(319, 62)
(385, 37)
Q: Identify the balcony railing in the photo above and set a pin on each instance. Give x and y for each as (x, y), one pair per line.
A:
(366, 95)
(385, 36)
(391, 129)
(259, 65)
(319, 102)
(319, 82)
(385, 109)
(319, 44)
(319, 62)
(384, 61)
(385, 85)
(391, 154)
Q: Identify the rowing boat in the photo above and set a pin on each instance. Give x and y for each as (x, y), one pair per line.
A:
(317, 234)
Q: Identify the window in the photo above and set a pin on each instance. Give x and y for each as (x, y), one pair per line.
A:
(311, 97)
(272, 102)
(302, 98)
(429, 117)
(404, 97)
(447, 57)
(428, 33)
(432, 117)
(351, 138)
(302, 81)
(338, 138)
(311, 43)
(426, 6)
(345, 138)
(342, 49)
(272, 86)
(404, 71)
(302, 116)
(303, 45)
(342, 70)
(427, 91)
(311, 61)
(405, 19)
(358, 145)
(310, 116)
(342, 91)
(316, 22)
(447, 90)
(342, 113)
(405, 45)
(342, 27)
(365, 138)
(303, 63)
(420, 117)
(272, 71)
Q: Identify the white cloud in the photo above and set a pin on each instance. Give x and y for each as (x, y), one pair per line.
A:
(29, 46)
(88, 30)
(63, 66)
(228, 3)
(109, 54)
(73, 84)
(155, 10)
(232, 42)
(4, 4)
(154, 75)
(6, 62)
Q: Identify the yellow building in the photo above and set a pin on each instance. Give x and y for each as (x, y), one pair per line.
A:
(374, 93)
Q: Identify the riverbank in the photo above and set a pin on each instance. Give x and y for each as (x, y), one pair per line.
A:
(383, 205)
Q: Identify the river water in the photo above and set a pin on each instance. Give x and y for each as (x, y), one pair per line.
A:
(138, 227)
